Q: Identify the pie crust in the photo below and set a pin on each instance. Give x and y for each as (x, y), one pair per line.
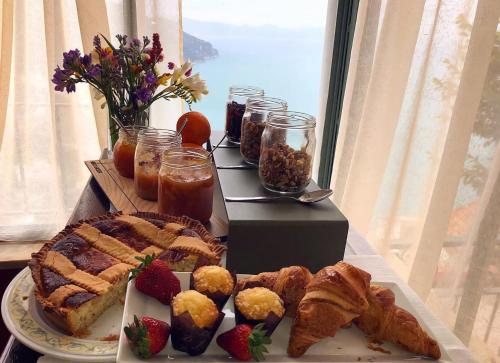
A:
(84, 269)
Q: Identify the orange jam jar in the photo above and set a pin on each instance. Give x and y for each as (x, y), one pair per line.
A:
(186, 184)
(151, 144)
(124, 151)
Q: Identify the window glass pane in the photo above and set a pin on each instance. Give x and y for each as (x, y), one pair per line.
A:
(276, 45)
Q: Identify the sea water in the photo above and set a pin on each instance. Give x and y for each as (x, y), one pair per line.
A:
(286, 64)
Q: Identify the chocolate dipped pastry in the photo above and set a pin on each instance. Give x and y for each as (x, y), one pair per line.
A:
(215, 282)
(259, 305)
(194, 321)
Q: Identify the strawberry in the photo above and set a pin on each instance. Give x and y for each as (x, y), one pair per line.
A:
(245, 342)
(147, 336)
(154, 278)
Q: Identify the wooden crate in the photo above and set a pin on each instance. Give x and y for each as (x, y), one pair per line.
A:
(121, 194)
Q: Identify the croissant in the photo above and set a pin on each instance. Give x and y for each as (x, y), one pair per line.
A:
(289, 283)
(384, 320)
(335, 296)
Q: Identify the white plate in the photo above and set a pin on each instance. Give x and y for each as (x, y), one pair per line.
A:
(23, 317)
(348, 345)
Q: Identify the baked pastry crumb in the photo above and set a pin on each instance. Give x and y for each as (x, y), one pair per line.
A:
(213, 279)
(203, 311)
(258, 302)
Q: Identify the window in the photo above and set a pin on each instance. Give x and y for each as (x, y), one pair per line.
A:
(276, 45)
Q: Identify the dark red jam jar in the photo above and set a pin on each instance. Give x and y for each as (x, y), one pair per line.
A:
(235, 109)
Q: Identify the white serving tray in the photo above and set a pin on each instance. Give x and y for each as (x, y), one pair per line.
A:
(348, 345)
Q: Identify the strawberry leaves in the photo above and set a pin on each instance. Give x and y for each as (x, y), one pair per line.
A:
(257, 342)
(146, 261)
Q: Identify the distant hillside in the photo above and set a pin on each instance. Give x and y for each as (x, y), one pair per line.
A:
(196, 49)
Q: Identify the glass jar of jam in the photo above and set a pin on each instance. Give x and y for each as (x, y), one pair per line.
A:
(124, 151)
(186, 184)
(253, 123)
(151, 144)
(287, 151)
(235, 108)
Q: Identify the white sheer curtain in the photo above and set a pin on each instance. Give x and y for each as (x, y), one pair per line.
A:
(417, 160)
(46, 134)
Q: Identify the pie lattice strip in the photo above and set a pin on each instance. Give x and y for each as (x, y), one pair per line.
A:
(192, 245)
(160, 237)
(152, 250)
(109, 245)
(62, 265)
(59, 295)
(114, 273)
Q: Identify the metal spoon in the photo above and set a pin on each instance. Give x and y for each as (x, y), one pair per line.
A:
(310, 197)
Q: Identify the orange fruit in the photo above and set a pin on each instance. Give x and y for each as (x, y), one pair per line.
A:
(197, 130)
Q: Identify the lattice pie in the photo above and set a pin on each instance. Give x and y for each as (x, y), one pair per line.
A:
(84, 269)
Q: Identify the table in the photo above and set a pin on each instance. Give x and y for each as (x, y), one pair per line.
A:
(94, 202)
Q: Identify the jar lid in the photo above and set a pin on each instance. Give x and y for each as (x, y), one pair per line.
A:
(186, 157)
(291, 120)
(266, 104)
(246, 91)
(159, 137)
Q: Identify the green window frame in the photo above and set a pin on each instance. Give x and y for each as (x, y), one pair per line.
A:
(344, 31)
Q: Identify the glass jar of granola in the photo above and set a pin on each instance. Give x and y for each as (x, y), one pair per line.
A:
(253, 123)
(151, 144)
(235, 108)
(287, 151)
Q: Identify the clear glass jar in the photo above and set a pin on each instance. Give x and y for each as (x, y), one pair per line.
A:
(124, 150)
(253, 123)
(151, 144)
(287, 151)
(235, 108)
(186, 183)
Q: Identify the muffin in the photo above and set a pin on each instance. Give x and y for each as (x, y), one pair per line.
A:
(259, 305)
(215, 282)
(195, 319)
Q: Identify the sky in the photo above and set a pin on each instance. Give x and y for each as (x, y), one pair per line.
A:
(280, 13)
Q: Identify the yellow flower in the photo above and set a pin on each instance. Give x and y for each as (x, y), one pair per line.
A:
(164, 79)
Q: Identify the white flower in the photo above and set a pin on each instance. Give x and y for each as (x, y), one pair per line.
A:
(177, 75)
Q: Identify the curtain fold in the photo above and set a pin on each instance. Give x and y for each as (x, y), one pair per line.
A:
(416, 167)
(6, 18)
(47, 135)
(398, 36)
(93, 19)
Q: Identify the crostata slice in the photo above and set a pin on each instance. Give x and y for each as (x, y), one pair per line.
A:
(84, 269)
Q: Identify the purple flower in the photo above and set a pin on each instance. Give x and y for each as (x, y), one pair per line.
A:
(122, 39)
(171, 65)
(94, 71)
(97, 42)
(188, 73)
(71, 58)
(59, 79)
(86, 60)
(144, 94)
(136, 42)
(70, 87)
(150, 78)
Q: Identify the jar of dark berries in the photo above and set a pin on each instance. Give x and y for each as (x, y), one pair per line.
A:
(253, 123)
(151, 144)
(235, 109)
(287, 151)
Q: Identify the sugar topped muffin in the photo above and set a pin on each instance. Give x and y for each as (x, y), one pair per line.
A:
(213, 279)
(202, 310)
(258, 302)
